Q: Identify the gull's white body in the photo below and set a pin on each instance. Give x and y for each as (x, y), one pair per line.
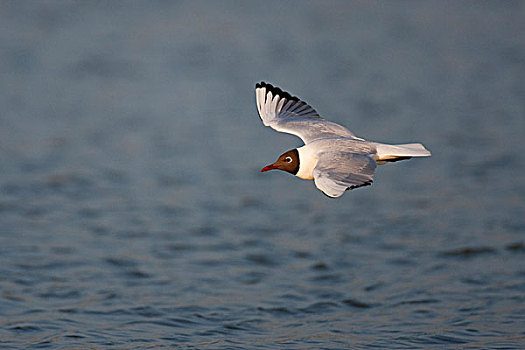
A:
(309, 154)
(332, 156)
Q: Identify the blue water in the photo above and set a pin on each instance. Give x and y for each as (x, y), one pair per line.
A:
(133, 213)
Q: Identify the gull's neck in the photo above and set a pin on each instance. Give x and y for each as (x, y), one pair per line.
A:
(307, 162)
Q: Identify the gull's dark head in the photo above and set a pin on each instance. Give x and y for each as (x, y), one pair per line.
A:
(288, 161)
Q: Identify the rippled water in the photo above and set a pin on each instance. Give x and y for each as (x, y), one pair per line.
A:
(133, 213)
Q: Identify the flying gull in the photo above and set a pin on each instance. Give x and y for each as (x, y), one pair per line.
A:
(332, 156)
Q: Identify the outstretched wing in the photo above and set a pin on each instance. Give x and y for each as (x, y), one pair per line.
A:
(337, 172)
(286, 113)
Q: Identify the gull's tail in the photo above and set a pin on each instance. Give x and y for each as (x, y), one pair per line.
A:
(393, 153)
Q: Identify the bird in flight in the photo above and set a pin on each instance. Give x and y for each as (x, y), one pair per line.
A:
(332, 155)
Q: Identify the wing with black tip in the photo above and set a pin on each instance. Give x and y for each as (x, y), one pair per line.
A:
(286, 113)
(337, 172)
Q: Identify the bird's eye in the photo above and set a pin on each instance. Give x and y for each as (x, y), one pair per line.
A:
(288, 159)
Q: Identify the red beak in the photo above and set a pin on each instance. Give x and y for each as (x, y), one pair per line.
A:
(268, 167)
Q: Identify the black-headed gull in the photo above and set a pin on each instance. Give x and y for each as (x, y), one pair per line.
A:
(332, 156)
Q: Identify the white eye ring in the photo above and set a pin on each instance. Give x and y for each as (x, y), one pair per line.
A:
(288, 159)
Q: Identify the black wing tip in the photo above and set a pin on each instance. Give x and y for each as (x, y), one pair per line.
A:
(368, 183)
(276, 91)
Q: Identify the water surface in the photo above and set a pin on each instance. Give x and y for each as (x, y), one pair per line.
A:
(133, 213)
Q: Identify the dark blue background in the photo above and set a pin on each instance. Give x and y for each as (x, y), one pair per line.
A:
(133, 213)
